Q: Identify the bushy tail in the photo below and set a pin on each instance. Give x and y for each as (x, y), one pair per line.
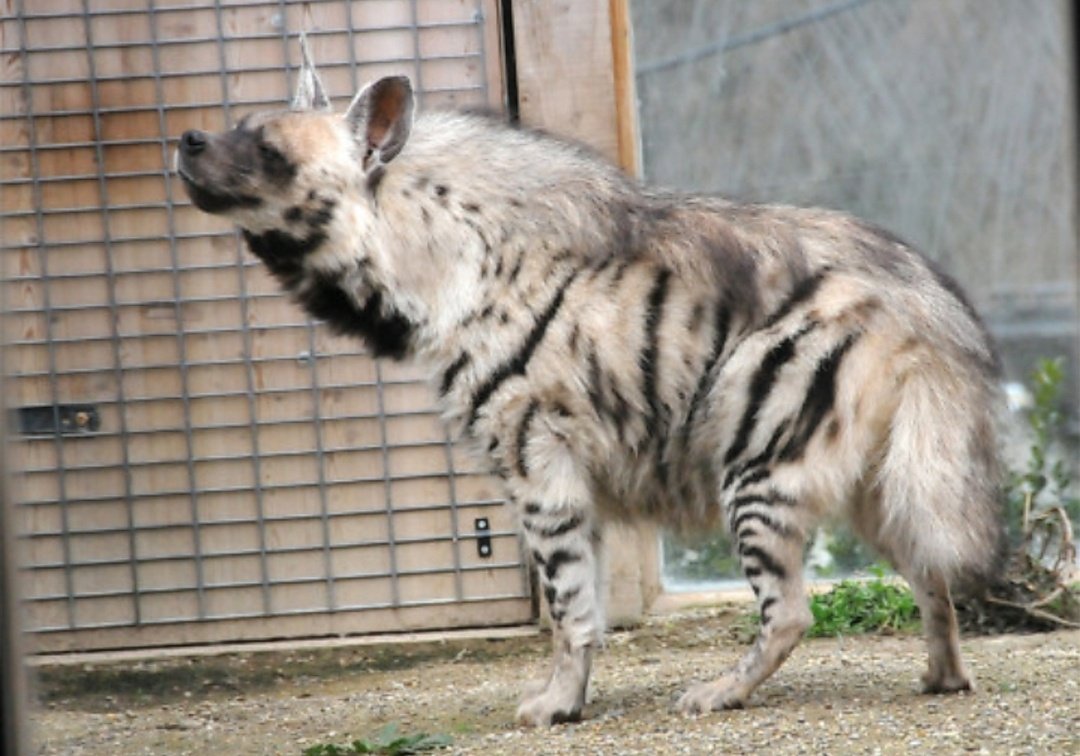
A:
(940, 476)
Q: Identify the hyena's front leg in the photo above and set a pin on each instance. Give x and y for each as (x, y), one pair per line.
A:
(566, 551)
(771, 553)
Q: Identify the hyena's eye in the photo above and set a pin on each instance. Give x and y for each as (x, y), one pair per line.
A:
(274, 163)
(269, 153)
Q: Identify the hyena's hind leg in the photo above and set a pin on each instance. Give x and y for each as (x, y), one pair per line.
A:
(771, 553)
(945, 670)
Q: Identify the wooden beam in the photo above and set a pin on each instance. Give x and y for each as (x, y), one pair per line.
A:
(622, 54)
(575, 78)
(572, 69)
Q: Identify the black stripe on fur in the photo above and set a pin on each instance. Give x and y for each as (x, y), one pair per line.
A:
(760, 517)
(557, 559)
(387, 334)
(766, 605)
(523, 437)
(517, 364)
(452, 373)
(803, 291)
(562, 527)
(708, 377)
(656, 421)
(761, 386)
(764, 560)
(757, 467)
(819, 400)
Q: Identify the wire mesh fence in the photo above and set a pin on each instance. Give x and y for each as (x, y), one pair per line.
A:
(190, 447)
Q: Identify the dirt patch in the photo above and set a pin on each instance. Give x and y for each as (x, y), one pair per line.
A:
(107, 686)
(852, 695)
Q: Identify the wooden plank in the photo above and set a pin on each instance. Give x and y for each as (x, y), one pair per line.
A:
(569, 43)
(496, 613)
(494, 54)
(160, 478)
(622, 53)
(160, 511)
(367, 497)
(587, 47)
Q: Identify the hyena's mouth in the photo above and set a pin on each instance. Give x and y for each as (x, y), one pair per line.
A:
(211, 201)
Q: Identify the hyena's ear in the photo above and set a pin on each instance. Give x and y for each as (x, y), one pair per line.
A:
(310, 92)
(381, 117)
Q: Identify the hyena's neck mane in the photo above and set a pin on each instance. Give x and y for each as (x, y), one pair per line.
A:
(485, 223)
(494, 234)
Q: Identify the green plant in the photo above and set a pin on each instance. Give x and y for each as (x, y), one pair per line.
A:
(1041, 504)
(863, 606)
(388, 741)
(1044, 483)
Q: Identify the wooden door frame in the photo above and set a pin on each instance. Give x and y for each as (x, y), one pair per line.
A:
(574, 76)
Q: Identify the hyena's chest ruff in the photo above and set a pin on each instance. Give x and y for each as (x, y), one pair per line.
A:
(619, 353)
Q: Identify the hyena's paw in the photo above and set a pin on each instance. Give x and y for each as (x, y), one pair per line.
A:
(533, 688)
(703, 698)
(548, 708)
(953, 683)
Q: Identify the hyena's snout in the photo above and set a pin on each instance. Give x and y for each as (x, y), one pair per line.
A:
(209, 169)
(192, 143)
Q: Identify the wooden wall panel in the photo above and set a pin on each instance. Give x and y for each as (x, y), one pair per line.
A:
(246, 465)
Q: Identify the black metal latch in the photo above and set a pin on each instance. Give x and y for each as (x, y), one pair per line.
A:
(63, 419)
(483, 537)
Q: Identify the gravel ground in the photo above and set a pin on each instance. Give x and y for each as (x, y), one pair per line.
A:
(853, 695)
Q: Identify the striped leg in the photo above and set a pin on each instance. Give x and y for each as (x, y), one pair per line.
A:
(567, 555)
(771, 554)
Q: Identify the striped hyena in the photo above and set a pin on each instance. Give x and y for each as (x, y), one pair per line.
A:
(616, 352)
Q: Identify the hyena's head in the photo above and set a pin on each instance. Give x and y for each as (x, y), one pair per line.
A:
(300, 183)
(281, 175)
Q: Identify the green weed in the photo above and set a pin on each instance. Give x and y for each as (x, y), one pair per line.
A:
(863, 606)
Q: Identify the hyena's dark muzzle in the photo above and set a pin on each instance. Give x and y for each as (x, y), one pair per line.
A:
(218, 171)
